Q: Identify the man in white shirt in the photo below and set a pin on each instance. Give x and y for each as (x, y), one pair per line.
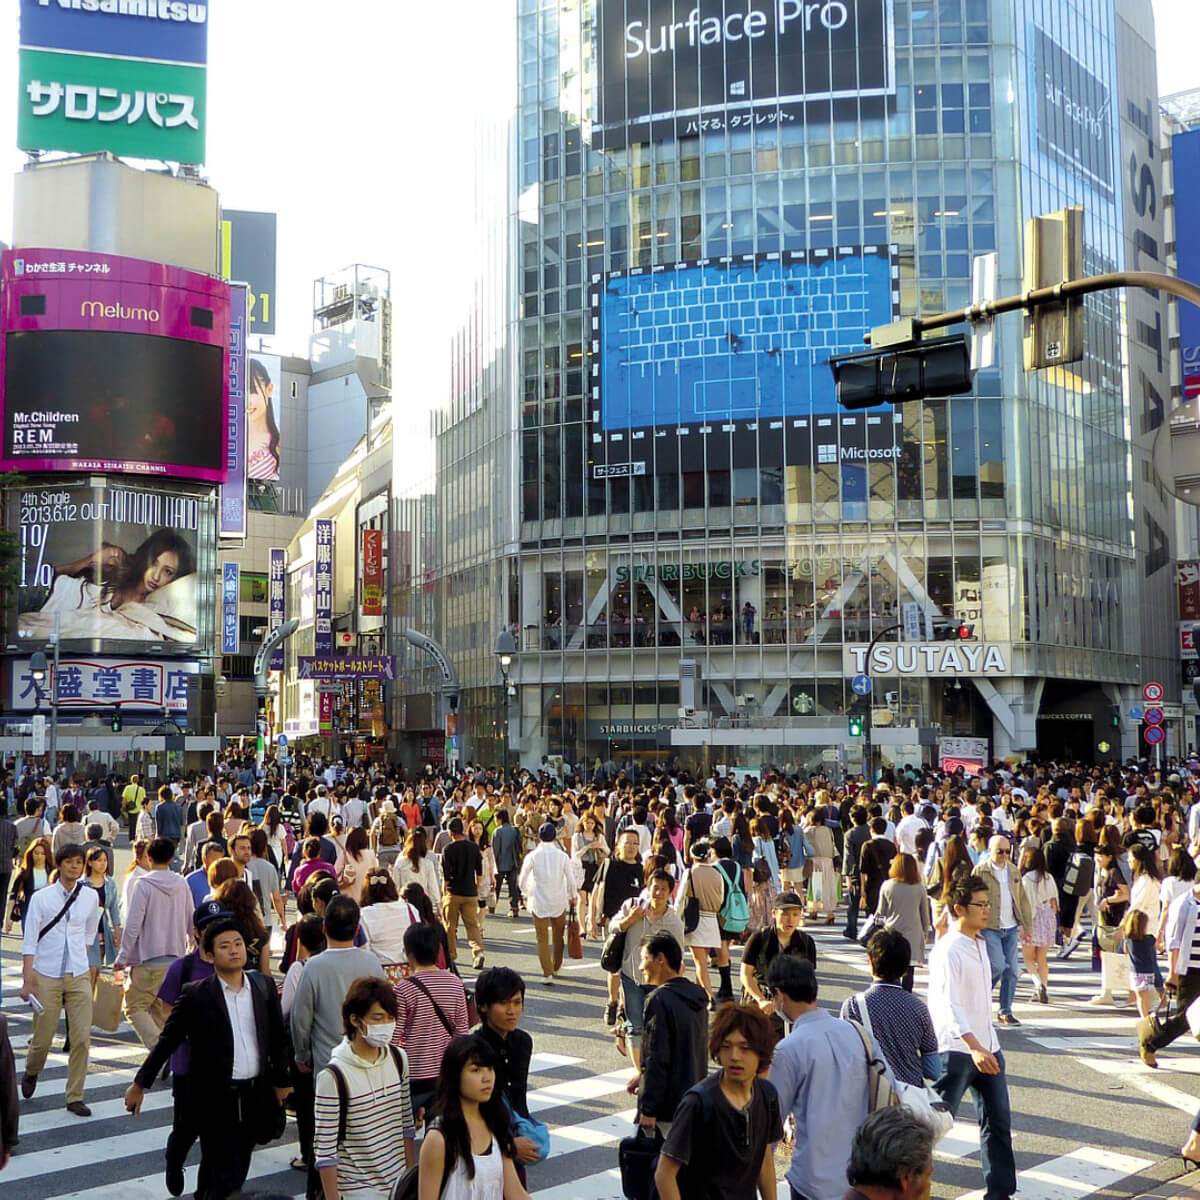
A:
(547, 882)
(321, 803)
(61, 922)
(910, 825)
(960, 1004)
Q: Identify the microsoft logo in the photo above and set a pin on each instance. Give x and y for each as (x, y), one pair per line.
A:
(827, 453)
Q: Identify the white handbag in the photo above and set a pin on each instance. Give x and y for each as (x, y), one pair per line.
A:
(923, 1101)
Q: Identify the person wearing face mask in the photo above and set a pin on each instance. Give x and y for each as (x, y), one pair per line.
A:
(365, 1136)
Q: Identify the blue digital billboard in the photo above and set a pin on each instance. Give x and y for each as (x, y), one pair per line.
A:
(1185, 151)
(727, 344)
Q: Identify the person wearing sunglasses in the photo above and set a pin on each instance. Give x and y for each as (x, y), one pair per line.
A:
(1010, 921)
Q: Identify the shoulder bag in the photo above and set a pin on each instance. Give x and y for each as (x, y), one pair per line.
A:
(62, 912)
(691, 909)
(922, 1101)
(880, 1092)
(574, 936)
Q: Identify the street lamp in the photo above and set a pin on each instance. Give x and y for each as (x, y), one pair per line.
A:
(506, 648)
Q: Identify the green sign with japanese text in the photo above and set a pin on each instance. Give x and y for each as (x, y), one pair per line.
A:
(85, 103)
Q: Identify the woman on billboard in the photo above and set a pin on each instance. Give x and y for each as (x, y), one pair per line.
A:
(262, 434)
(113, 594)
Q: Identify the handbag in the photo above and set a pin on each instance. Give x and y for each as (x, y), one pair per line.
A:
(407, 1187)
(868, 927)
(613, 953)
(1109, 939)
(921, 1101)
(637, 1157)
(106, 1003)
(534, 1130)
(574, 936)
(691, 909)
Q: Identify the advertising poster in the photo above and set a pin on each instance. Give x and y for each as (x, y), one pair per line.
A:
(233, 493)
(738, 347)
(968, 754)
(112, 364)
(276, 602)
(1186, 168)
(112, 563)
(680, 68)
(128, 78)
(130, 684)
(263, 397)
(323, 583)
(372, 573)
(230, 582)
(248, 252)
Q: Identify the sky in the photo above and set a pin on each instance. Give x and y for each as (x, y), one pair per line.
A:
(352, 120)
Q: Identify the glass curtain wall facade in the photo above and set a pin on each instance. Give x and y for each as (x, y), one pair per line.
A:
(687, 490)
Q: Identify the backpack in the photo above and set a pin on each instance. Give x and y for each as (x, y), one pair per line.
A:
(735, 911)
(1080, 873)
(706, 1115)
(343, 1092)
(389, 830)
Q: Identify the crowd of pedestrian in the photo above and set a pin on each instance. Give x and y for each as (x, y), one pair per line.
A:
(350, 1012)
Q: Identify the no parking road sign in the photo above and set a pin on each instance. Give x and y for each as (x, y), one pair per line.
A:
(1154, 716)
(1154, 734)
(1152, 693)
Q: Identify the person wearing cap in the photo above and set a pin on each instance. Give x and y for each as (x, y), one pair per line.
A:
(191, 968)
(547, 881)
(820, 1073)
(783, 937)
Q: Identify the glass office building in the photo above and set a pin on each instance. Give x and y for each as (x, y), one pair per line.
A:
(691, 542)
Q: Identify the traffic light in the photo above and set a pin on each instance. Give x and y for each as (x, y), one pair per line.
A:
(1115, 710)
(959, 631)
(1053, 255)
(116, 720)
(854, 723)
(911, 371)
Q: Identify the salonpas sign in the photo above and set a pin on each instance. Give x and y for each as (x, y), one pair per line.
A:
(933, 658)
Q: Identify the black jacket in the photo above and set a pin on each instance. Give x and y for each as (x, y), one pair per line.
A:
(515, 1053)
(9, 1105)
(674, 1046)
(201, 1018)
(856, 839)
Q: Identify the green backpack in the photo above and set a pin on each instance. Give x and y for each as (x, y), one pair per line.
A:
(735, 912)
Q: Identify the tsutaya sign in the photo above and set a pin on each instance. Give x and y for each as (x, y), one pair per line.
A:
(934, 658)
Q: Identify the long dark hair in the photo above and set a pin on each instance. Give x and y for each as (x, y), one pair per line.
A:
(446, 1105)
(259, 381)
(129, 577)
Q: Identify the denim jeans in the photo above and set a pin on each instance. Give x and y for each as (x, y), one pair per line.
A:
(635, 1005)
(995, 1118)
(1004, 949)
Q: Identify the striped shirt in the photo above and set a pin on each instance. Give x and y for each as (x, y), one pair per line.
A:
(419, 1029)
(379, 1119)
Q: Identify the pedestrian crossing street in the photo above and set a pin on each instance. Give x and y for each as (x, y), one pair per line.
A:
(582, 1097)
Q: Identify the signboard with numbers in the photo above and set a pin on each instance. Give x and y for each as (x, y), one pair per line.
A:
(131, 684)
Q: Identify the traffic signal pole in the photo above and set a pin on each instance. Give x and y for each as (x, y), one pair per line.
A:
(869, 723)
(1067, 290)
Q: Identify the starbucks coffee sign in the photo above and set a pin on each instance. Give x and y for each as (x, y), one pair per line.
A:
(932, 658)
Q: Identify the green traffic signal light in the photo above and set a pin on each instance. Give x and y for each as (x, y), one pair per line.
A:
(856, 725)
(116, 720)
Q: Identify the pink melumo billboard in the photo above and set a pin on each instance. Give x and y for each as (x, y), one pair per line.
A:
(112, 364)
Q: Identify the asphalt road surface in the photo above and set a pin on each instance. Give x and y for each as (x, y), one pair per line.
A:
(1090, 1119)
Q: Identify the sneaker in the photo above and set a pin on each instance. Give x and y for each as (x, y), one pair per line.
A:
(1102, 998)
(610, 1012)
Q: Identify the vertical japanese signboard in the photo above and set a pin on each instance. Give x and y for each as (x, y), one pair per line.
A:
(323, 595)
(128, 78)
(276, 584)
(233, 493)
(372, 573)
(230, 581)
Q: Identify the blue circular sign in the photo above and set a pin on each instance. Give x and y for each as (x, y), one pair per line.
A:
(860, 685)
(1154, 716)
(1155, 734)
(281, 741)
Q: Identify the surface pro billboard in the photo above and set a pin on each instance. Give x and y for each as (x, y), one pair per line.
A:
(679, 68)
(112, 364)
(1186, 164)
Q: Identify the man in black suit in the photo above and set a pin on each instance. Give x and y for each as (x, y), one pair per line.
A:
(239, 1071)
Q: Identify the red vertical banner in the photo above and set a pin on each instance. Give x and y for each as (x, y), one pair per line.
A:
(1187, 576)
(325, 719)
(372, 573)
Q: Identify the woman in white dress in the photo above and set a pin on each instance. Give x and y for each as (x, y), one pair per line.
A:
(468, 1139)
(416, 865)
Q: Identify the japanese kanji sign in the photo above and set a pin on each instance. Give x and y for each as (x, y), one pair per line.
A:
(276, 583)
(323, 604)
(372, 573)
(84, 103)
(103, 682)
(230, 582)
